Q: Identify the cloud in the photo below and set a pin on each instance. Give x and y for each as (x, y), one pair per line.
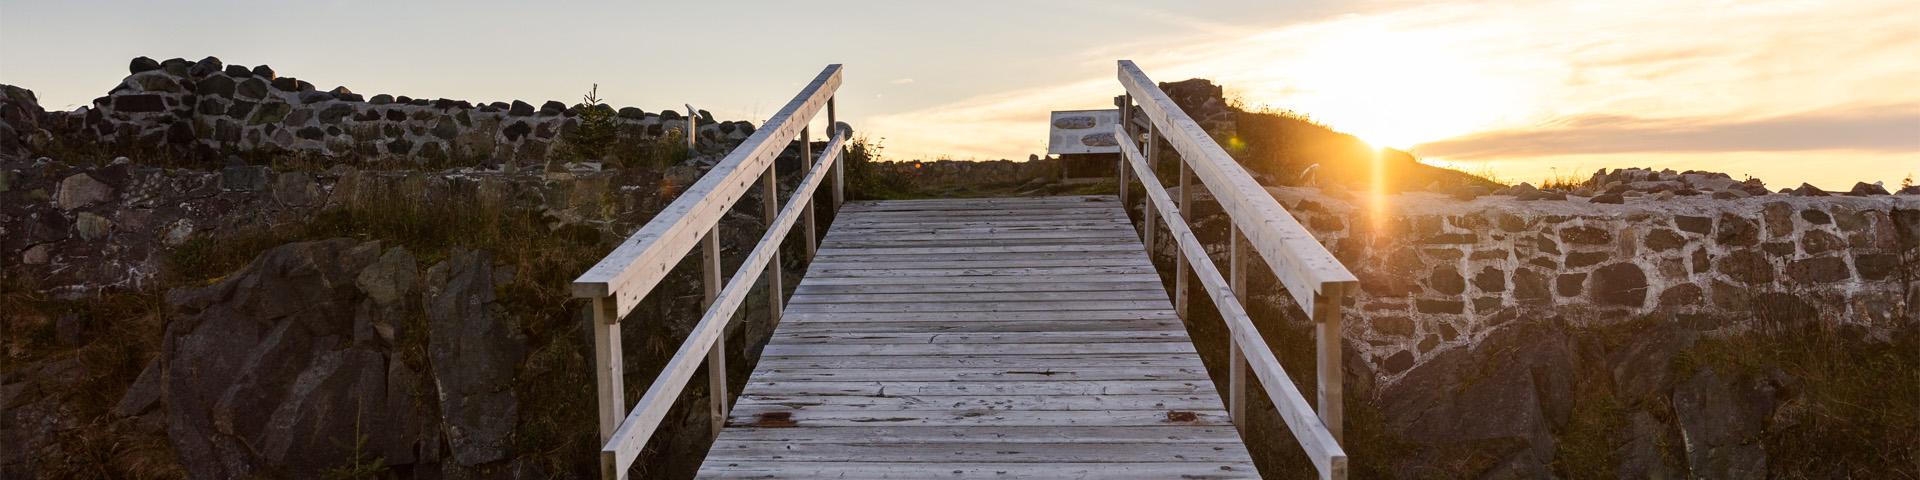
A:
(902, 81)
(1882, 128)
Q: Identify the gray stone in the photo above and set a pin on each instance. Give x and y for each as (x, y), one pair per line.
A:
(270, 112)
(1816, 242)
(1620, 284)
(1453, 307)
(216, 86)
(1490, 280)
(142, 64)
(1584, 235)
(1720, 429)
(468, 329)
(1747, 266)
(80, 190)
(1661, 240)
(1529, 286)
(244, 178)
(1700, 225)
(138, 103)
(1570, 284)
(91, 227)
(1500, 399)
(1737, 231)
(1446, 280)
(390, 279)
(1583, 259)
(1820, 270)
(335, 112)
(1394, 326)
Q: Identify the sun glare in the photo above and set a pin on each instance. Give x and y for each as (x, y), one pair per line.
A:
(1391, 89)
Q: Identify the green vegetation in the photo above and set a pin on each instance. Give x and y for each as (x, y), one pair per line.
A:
(596, 134)
(866, 180)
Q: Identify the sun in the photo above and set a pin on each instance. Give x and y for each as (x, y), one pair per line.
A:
(1391, 89)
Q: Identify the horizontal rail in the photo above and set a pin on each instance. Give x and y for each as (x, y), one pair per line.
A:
(1319, 443)
(620, 452)
(1304, 266)
(640, 262)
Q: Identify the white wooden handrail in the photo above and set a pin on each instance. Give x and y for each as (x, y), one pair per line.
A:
(620, 452)
(1320, 445)
(1311, 275)
(627, 275)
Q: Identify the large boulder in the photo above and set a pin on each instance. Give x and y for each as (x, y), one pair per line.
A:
(281, 369)
(469, 330)
(1498, 401)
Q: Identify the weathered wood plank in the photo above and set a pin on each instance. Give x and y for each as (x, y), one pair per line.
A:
(757, 404)
(998, 326)
(1016, 296)
(968, 470)
(970, 349)
(1038, 360)
(905, 434)
(983, 316)
(984, 452)
(974, 288)
(1033, 306)
(999, 338)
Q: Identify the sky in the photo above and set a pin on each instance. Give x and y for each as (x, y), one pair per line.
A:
(1788, 91)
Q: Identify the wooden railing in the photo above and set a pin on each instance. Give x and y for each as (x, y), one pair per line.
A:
(624, 277)
(1315, 279)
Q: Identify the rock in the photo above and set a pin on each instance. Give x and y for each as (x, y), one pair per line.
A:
(520, 109)
(314, 96)
(1807, 190)
(1817, 271)
(142, 64)
(1608, 198)
(1447, 280)
(1584, 235)
(390, 278)
(177, 233)
(1620, 284)
(1470, 193)
(1720, 427)
(1499, 399)
(552, 108)
(138, 103)
(144, 395)
(1910, 190)
(80, 190)
(296, 189)
(91, 227)
(270, 368)
(1862, 189)
(468, 329)
(244, 178)
(263, 71)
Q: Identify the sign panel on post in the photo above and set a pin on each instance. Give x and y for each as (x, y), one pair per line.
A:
(1083, 131)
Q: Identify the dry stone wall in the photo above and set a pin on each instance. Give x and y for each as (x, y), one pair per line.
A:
(1438, 273)
(214, 107)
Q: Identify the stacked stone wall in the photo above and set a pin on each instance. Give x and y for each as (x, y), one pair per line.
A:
(208, 106)
(1438, 273)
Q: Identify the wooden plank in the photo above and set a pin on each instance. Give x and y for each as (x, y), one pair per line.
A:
(969, 470)
(996, 297)
(983, 316)
(980, 272)
(1033, 306)
(1011, 436)
(806, 288)
(756, 404)
(984, 452)
(640, 262)
(949, 264)
(997, 326)
(1037, 418)
(972, 349)
(896, 250)
(997, 338)
(775, 374)
(1051, 387)
(1036, 360)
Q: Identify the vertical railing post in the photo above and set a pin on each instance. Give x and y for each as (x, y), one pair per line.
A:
(806, 165)
(1180, 259)
(774, 291)
(1153, 165)
(1237, 358)
(609, 379)
(1326, 317)
(693, 129)
(840, 167)
(1125, 102)
(717, 356)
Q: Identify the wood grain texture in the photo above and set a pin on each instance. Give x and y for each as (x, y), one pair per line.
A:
(994, 338)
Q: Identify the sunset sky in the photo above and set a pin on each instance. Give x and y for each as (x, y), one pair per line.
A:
(1788, 91)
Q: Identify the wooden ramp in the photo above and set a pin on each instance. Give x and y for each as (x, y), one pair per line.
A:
(980, 338)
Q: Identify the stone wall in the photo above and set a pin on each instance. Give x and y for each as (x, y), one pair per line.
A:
(1438, 273)
(212, 107)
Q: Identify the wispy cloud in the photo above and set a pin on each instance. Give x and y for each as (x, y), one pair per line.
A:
(1883, 128)
(902, 81)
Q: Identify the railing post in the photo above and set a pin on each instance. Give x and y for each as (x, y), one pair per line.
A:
(806, 165)
(1237, 358)
(1180, 259)
(840, 167)
(609, 378)
(1153, 163)
(1326, 317)
(693, 129)
(716, 357)
(1126, 121)
(772, 192)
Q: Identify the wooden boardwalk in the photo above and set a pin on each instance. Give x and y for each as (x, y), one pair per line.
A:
(980, 338)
